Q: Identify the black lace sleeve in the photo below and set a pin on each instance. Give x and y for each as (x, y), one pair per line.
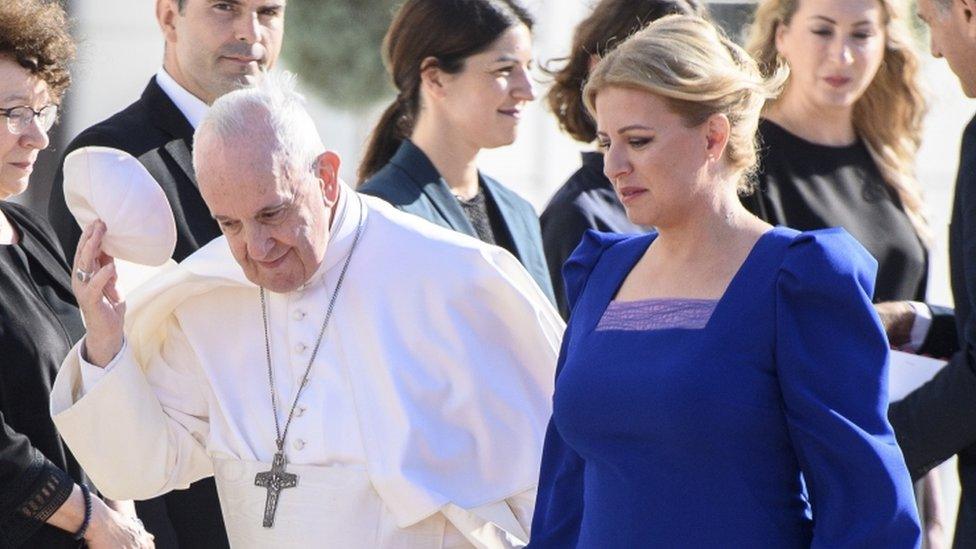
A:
(31, 488)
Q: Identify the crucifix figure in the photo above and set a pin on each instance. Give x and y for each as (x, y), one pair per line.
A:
(275, 481)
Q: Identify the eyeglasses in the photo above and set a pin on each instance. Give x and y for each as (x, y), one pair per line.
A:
(20, 118)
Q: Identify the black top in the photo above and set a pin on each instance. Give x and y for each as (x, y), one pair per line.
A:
(411, 182)
(39, 323)
(487, 221)
(808, 186)
(586, 201)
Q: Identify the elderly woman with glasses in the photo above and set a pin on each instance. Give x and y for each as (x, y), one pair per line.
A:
(44, 498)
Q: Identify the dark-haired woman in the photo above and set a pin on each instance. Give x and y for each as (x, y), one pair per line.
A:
(462, 72)
(587, 200)
(44, 499)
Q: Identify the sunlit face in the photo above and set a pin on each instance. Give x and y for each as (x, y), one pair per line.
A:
(217, 46)
(18, 87)
(834, 49)
(276, 221)
(484, 102)
(953, 36)
(656, 162)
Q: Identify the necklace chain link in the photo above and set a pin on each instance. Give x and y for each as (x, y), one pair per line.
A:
(281, 435)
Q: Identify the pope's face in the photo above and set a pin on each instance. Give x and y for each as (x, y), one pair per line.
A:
(276, 219)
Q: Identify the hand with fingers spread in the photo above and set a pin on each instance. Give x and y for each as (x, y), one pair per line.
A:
(94, 281)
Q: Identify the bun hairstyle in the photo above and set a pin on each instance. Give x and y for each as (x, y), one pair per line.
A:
(609, 24)
(888, 117)
(699, 72)
(449, 31)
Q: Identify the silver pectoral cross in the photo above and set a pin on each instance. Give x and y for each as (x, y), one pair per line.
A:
(275, 481)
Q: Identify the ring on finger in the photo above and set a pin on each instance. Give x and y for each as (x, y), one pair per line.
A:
(82, 275)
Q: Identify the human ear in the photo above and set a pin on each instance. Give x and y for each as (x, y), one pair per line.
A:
(968, 8)
(327, 170)
(166, 12)
(779, 38)
(717, 133)
(432, 77)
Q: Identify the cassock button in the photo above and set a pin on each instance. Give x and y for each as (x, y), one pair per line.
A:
(298, 315)
(300, 348)
(299, 444)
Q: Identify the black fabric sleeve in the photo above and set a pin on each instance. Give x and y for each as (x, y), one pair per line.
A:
(562, 232)
(31, 488)
(942, 339)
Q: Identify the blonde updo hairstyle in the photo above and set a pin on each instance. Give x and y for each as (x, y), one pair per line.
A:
(699, 72)
(888, 117)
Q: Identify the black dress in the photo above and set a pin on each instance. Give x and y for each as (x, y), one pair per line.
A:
(808, 186)
(586, 201)
(39, 323)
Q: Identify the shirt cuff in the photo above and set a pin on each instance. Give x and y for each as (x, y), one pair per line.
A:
(920, 326)
(91, 374)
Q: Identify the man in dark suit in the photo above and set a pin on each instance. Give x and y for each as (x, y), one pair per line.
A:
(938, 420)
(211, 48)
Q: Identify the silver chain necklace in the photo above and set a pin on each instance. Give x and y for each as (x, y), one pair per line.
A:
(277, 479)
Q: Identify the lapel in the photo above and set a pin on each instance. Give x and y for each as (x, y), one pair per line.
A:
(169, 118)
(424, 175)
(518, 225)
(40, 246)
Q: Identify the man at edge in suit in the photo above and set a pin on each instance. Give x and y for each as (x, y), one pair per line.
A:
(211, 48)
(938, 420)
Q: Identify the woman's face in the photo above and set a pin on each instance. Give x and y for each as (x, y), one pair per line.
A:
(834, 49)
(657, 164)
(18, 87)
(484, 102)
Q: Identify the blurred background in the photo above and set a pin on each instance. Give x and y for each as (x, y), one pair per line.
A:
(333, 46)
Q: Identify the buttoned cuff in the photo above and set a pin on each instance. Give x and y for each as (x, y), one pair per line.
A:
(920, 326)
(91, 374)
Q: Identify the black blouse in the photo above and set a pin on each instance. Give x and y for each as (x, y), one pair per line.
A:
(39, 323)
(808, 186)
(586, 201)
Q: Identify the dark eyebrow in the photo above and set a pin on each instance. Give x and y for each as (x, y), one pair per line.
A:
(634, 127)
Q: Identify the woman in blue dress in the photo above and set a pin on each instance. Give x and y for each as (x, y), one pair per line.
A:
(722, 383)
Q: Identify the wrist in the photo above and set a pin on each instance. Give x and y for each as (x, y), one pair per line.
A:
(101, 350)
(86, 521)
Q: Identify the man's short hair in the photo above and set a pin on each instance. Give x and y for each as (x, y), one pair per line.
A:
(180, 4)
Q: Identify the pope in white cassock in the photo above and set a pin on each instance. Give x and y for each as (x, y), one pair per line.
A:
(351, 375)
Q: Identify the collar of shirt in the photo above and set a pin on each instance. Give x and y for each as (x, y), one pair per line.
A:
(350, 212)
(190, 105)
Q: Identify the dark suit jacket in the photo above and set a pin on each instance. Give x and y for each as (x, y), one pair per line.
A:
(586, 201)
(938, 420)
(155, 132)
(411, 183)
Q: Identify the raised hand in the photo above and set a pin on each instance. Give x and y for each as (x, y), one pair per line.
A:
(93, 280)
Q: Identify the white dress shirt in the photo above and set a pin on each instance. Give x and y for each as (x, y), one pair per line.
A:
(192, 107)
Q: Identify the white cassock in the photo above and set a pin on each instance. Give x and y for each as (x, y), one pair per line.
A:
(422, 422)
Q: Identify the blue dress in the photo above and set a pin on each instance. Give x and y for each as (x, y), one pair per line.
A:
(699, 438)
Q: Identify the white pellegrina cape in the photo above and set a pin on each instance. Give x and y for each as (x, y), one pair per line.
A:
(445, 349)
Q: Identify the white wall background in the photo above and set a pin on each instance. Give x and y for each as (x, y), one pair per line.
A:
(121, 47)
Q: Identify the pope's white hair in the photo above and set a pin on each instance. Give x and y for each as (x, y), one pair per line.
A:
(272, 114)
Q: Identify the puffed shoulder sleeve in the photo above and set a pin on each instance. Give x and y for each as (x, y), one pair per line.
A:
(580, 264)
(832, 362)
